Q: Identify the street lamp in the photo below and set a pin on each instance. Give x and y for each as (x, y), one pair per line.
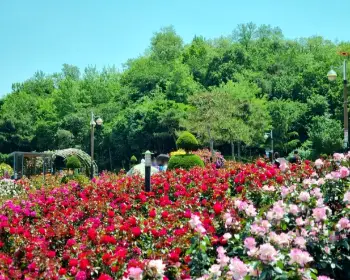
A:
(94, 120)
(332, 76)
(266, 136)
(148, 164)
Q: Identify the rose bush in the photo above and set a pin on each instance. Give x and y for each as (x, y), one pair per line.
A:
(249, 221)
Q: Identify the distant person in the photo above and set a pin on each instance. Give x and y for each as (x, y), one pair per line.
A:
(296, 158)
(276, 159)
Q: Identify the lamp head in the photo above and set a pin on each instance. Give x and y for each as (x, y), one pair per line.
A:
(332, 75)
(99, 121)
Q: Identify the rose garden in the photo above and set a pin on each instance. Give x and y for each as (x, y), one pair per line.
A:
(241, 221)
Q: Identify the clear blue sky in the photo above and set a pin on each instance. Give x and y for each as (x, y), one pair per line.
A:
(44, 34)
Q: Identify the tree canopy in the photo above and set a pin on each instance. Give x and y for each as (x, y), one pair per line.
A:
(238, 86)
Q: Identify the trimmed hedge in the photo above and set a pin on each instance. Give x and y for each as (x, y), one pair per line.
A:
(73, 163)
(187, 141)
(185, 162)
(133, 160)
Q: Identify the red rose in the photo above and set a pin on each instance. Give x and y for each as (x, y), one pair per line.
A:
(106, 258)
(187, 214)
(110, 213)
(239, 189)
(51, 254)
(84, 263)
(62, 271)
(217, 208)
(73, 262)
(187, 259)
(165, 214)
(152, 213)
(105, 277)
(136, 231)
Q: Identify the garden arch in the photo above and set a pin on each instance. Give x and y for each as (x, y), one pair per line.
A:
(84, 158)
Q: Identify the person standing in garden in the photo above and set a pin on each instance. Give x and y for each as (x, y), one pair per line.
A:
(296, 158)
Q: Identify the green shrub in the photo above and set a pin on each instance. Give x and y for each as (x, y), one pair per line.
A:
(5, 169)
(187, 141)
(133, 160)
(73, 163)
(80, 179)
(185, 161)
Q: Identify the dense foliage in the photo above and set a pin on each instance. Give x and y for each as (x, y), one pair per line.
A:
(73, 162)
(250, 221)
(186, 161)
(257, 78)
(187, 141)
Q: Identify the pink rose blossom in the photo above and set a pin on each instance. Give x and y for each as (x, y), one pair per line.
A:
(343, 223)
(250, 211)
(344, 172)
(238, 269)
(320, 181)
(299, 257)
(249, 243)
(227, 236)
(293, 209)
(81, 275)
(267, 252)
(304, 196)
(321, 277)
(319, 214)
(284, 191)
(215, 270)
(338, 157)
(316, 192)
(135, 273)
(300, 242)
(347, 197)
(318, 163)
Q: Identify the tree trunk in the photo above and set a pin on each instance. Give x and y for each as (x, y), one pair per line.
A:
(233, 150)
(211, 144)
(239, 150)
(110, 158)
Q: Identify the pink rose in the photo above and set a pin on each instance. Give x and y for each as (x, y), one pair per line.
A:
(304, 196)
(338, 157)
(319, 214)
(347, 197)
(135, 273)
(238, 269)
(318, 163)
(267, 252)
(343, 223)
(249, 243)
(344, 172)
(300, 257)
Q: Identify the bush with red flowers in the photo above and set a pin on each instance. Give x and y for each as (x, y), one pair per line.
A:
(198, 224)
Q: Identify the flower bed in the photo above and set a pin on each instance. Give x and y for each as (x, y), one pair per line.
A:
(251, 221)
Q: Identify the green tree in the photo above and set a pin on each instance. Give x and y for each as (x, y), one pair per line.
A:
(325, 135)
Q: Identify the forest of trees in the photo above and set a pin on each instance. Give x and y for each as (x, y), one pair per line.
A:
(229, 90)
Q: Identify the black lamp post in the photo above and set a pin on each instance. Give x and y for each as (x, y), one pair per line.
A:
(266, 136)
(148, 164)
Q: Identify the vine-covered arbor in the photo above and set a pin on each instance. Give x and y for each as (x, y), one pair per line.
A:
(34, 163)
(85, 159)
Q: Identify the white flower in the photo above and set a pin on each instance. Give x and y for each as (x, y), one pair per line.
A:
(227, 236)
(158, 265)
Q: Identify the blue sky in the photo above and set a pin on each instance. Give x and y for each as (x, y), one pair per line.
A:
(44, 34)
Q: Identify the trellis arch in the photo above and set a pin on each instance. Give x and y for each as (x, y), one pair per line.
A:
(84, 158)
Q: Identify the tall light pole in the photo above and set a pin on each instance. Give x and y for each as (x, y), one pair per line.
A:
(94, 120)
(332, 76)
(267, 135)
(148, 164)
